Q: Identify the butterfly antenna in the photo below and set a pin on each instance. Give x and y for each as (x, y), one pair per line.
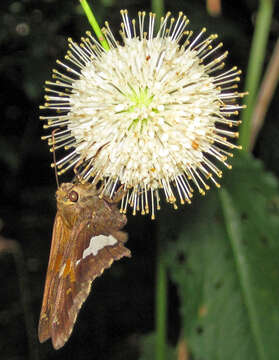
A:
(54, 158)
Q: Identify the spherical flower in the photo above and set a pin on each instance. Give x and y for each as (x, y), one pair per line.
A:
(155, 111)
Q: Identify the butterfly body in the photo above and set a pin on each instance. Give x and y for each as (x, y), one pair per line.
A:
(86, 239)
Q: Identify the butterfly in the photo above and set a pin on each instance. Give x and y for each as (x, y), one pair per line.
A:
(86, 240)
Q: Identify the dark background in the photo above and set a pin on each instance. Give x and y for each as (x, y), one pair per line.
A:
(120, 307)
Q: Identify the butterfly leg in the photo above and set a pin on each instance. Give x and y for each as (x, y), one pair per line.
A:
(90, 163)
(118, 195)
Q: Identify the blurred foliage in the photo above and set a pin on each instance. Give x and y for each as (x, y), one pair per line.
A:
(147, 348)
(206, 291)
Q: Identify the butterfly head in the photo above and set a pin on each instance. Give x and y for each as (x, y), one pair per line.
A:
(69, 193)
(72, 198)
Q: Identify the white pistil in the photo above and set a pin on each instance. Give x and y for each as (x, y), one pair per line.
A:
(147, 113)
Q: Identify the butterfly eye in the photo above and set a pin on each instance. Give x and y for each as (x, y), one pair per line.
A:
(73, 196)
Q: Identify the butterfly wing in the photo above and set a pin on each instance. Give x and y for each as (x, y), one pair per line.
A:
(89, 251)
(60, 236)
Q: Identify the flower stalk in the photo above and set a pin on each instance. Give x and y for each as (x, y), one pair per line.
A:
(93, 22)
(158, 8)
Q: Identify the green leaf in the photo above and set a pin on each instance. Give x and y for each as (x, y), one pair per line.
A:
(226, 267)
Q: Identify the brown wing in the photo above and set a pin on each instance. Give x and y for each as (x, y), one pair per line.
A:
(60, 237)
(74, 282)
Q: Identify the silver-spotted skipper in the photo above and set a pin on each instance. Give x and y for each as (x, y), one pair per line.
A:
(86, 239)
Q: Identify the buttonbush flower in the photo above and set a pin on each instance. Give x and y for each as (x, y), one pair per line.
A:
(155, 111)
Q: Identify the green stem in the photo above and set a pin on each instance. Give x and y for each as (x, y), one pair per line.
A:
(255, 65)
(157, 6)
(161, 305)
(93, 22)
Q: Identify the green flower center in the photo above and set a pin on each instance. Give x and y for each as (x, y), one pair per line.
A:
(141, 99)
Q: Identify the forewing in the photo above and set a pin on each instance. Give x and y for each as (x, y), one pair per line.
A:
(60, 237)
(88, 253)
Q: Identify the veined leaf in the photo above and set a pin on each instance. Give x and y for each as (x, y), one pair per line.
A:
(226, 265)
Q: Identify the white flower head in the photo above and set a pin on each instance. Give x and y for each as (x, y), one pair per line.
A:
(153, 112)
